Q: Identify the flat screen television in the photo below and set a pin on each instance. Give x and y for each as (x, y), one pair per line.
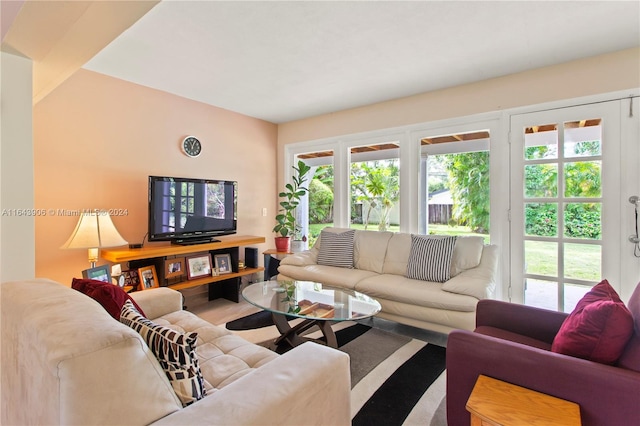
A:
(191, 211)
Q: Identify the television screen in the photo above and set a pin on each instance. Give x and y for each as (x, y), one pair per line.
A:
(186, 210)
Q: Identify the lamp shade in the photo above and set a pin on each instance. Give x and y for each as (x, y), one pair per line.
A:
(94, 230)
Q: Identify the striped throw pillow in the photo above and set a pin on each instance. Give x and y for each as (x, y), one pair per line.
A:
(430, 258)
(175, 352)
(336, 249)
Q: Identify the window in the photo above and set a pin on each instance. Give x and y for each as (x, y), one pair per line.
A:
(316, 209)
(375, 187)
(558, 189)
(455, 198)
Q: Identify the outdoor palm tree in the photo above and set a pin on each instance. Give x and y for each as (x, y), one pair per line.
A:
(376, 184)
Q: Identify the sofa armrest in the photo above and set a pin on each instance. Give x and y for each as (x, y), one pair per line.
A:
(304, 258)
(606, 394)
(539, 324)
(308, 385)
(157, 302)
(478, 282)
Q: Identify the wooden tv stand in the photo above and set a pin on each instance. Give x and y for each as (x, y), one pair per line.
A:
(156, 254)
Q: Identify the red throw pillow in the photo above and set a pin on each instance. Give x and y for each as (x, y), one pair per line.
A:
(110, 296)
(598, 329)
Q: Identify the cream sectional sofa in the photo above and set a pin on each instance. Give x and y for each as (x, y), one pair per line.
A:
(380, 267)
(65, 360)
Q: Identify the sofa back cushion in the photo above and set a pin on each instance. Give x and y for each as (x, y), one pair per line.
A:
(398, 250)
(466, 254)
(370, 250)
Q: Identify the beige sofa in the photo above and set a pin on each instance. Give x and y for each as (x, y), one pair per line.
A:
(380, 266)
(65, 360)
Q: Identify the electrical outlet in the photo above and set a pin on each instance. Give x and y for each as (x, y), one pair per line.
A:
(264, 212)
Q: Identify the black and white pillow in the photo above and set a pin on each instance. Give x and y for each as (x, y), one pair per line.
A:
(430, 258)
(175, 352)
(336, 249)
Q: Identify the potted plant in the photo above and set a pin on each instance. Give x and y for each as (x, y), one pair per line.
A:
(286, 225)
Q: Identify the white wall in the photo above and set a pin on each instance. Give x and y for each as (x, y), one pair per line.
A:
(17, 228)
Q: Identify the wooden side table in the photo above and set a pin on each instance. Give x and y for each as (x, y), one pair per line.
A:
(497, 403)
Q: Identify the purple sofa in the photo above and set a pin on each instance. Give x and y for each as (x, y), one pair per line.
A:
(512, 343)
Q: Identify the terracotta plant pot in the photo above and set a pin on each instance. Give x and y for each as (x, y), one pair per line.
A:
(283, 244)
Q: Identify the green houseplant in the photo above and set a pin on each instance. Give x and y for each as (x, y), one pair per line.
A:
(286, 225)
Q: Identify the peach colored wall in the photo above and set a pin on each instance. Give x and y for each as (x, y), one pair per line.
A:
(600, 74)
(8, 12)
(97, 139)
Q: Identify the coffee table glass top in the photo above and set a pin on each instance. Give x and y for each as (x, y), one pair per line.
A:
(306, 299)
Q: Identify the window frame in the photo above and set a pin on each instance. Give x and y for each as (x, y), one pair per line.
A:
(499, 152)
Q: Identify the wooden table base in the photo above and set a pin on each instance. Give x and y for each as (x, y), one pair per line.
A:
(292, 335)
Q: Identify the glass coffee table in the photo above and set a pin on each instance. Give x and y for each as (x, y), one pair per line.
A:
(316, 303)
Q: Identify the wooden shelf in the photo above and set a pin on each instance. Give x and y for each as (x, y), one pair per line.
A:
(161, 250)
(158, 253)
(208, 280)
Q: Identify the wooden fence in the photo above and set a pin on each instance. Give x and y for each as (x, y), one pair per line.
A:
(440, 213)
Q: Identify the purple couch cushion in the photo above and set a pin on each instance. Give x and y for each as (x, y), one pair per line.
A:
(630, 358)
(513, 337)
(598, 329)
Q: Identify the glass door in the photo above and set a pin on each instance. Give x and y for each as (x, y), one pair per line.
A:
(565, 188)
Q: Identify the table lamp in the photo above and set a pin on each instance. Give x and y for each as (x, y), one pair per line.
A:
(94, 231)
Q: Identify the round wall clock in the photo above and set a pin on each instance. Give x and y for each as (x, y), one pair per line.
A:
(191, 146)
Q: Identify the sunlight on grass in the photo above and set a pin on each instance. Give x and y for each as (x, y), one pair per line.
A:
(581, 261)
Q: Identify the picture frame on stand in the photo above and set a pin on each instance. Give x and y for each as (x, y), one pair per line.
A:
(198, 266)
(223, 263)
(99, 273)
(131, 279)
(174, 268)
(148, 278)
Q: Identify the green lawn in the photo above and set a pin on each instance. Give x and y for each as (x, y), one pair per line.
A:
(581, 261)
(314, 230)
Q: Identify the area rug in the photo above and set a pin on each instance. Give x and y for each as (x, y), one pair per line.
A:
(396, 380)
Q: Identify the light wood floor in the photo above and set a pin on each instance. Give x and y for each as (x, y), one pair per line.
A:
(218, 311)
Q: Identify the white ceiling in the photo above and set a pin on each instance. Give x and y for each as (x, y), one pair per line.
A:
(282, 61)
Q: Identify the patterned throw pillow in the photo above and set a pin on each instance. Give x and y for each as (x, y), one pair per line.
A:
(175, 352)
(430, 258)
(336, 249)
